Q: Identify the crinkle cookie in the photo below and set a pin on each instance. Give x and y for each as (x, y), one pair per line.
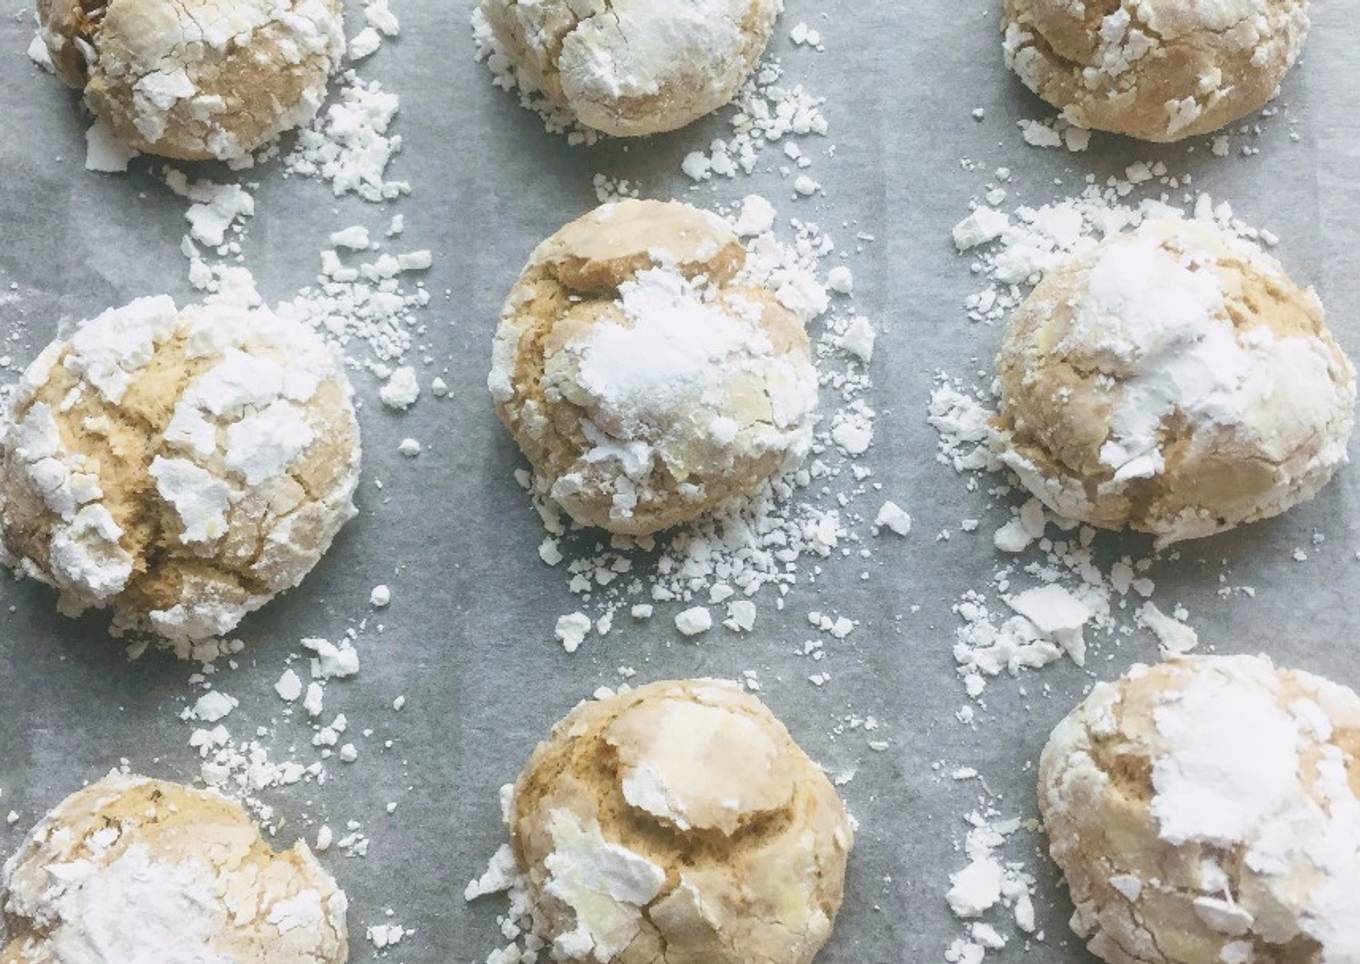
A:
(196, 79)
(633, 67)
(137, 870)
(1175, 380)
(646, 376)
(1160, 70)
(179, 467)
(1207, 811)
(679, 823)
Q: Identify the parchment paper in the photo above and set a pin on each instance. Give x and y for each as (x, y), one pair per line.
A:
(467, 638)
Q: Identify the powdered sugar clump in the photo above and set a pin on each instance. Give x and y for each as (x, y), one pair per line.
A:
(768, 112)
(990, 895)
(349, 144)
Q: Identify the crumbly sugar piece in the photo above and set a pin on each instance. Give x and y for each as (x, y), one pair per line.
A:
(38, 52)
(370, 306)
(893, 517)
(1160, 70)
(694, 621)
(617, 881)
(104, 151)
(1174, 635)
(349, 145)
(202, 80)
(364, 44)
(246, 762)
(402, 389)
(179, 467)
(1206, 809)
(1051, 593)
(216, 212)
(767, 111)
(134, 869)
(992, 892)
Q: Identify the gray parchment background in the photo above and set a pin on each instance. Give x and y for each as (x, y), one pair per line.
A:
(468, 636)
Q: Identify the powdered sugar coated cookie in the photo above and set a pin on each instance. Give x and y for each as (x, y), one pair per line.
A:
(646, 378)
(634, 67)
(1207, 810)
(179, 467)
(1175, 380)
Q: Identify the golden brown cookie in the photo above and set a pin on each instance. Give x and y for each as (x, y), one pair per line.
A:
(196, 79)
(1159, 70)
(679, 823)
(647, 379)
(633, 67)
(180, 467)
(1175, 380)
(136, 869)
(1207, 810)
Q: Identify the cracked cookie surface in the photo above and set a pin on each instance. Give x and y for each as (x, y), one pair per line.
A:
(179, 467)
(647, 379)
(1207, 810)
(1174, 380)
(1159, 70)
(679, 823)
(196, 79)
(131, 869)
(634, 67)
